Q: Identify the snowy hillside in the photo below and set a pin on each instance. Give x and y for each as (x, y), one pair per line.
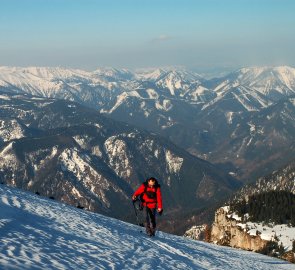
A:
(272, 82)
(42, 234)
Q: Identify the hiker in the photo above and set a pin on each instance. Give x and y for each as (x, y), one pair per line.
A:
(149, 193)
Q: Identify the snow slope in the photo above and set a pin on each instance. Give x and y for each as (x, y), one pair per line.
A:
(38, 233)
(271, 82)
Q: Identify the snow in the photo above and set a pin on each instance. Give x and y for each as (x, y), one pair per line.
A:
(252, 127)
(121, 99)
(234, 216)
(195, 232)
(70, 160)
(98, 125)
(286, 75)
(231, 215)
(174, 162)
(152, 93)
(11, 129)
(223, 86)
(285, 234)
(250, 141)
(96, 151)
(76, 192)
(108, 86)
(201, 94)
(38, 233)
(157, 153)
(264, 79)
(229, 117)
(149, 74)
(82, 141)
(116, 150)
(241, 99)
(59, 82)
(225, 208)
(165, 106)
(212, 102)
(4, 97)
(258, 87)
(113, 73)
(7, 154)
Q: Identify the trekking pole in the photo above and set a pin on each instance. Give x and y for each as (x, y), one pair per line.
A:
(136, 215)
(133, 202)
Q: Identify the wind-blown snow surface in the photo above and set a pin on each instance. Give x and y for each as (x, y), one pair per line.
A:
(38, 233)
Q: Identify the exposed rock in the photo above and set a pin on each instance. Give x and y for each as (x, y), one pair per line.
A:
(226, 232)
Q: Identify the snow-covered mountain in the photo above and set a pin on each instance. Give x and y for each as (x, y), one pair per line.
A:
(178, 82)
(93, 89)
(47, 82)
(113, 74)
(263, 84)
(38, 233)
(203, 117)
(232, 120)
(150, 74)
(76, 155)
(239, 99)
(272, 82)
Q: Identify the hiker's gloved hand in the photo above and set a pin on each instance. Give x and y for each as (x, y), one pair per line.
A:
(160, 211)
(134, 198)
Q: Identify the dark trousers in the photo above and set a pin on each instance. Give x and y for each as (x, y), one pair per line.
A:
(150, 215)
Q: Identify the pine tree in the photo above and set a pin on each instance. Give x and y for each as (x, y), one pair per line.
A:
(275, 206)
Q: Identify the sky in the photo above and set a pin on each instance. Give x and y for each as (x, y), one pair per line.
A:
(147, 33)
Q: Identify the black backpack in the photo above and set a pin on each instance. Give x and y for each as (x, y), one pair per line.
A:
(150, 194)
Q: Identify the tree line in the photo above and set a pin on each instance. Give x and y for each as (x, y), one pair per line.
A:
(273, 206)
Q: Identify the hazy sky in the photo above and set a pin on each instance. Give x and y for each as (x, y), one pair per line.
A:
(147, 33)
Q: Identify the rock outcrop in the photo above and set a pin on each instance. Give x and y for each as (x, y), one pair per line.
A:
(225, 231)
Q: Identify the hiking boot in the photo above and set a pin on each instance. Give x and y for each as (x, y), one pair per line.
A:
(153, 231)
(148, 231)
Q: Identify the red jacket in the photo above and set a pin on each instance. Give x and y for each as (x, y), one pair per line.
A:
(148, 201)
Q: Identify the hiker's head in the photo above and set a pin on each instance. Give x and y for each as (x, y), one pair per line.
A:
(152, 181)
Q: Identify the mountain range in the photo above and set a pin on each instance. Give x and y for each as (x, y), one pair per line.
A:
(72, 153)
(90, 138)
(244, 121)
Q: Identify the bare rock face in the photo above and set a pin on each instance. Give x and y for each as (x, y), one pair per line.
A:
(225, 231)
